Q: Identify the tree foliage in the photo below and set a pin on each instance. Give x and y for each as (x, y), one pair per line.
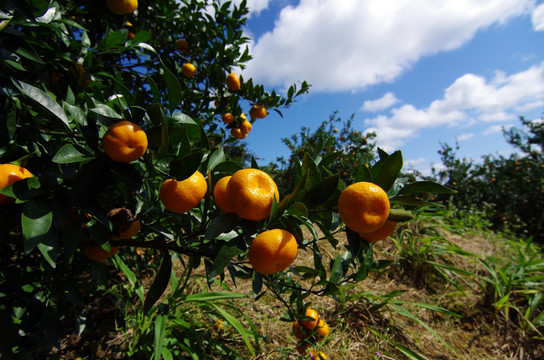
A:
(71, 69)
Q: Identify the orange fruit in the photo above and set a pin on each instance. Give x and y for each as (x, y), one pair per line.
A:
(96, 253)
(220, 194)
(188, 70)
(258, 112)
(127, 230)
(317, 355)
(272, 251)
(303, 347)
(227, 118)
(245, 126)
(124, 142)
(237, 133)
(182, 196)
(122, 7)
(363, 207)
(251, 193)
(300, 331)
(9, 174)
(310, 319)
(322, 330)
(233, 82)
(382, 233)
(182, 45)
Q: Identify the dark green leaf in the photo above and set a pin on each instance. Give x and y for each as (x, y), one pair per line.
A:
(390, 170)
(44, 100)
(173, 88)
(257, 282)
(400, 215)
(217, 157)
(106, 111)
(221, 224)
(363, 174)
(160, 283)
(68, 154)
(36, 221)
(154, 90)
(181, 169)
(337, 271)
(321, 192)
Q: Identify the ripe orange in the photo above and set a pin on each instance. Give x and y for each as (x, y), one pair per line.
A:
(220, 194)
(122, 7)
(245, 126)
(182, 196)
(317, 355)
(188, 70)
(96, 253)
(124, 142)
(303, 347)
(233, 82)
(9, 174)
(251, 193)
(258, 112)
(127, 230)
(322, 330)
(382, 233)
(363, 207)
(310, 319)
(272, 251)
(300, 331)
(237, 133)
(227, 118)
(182, 45)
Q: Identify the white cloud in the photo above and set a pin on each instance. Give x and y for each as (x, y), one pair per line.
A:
(380, 104)
(494, 129)
(350, 44)
(537, 18)
(256, 6)
(470, 99)
(464, 137)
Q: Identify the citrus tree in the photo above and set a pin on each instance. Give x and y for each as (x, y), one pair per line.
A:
(121, 122)
(483, 184)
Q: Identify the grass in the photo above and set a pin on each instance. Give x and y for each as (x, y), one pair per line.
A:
(453, 291)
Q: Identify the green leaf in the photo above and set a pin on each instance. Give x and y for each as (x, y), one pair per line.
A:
(390, 170)
(400, 215)
(314, 175)
(363, 174)
(46, 101)
(217, 157)
(426, 187)
(158, 339)
(159, 284)
(213, 296)
(321, 192)
(36, 221)
(68, 154)
(238, 326)
(410, 200)
(222, 259)
(221, 224)
(154, 90)
(337, 271)
(257, 282)
(181, 169)
(106, 111)
(24, 189)
(182, 118)
(173, 88)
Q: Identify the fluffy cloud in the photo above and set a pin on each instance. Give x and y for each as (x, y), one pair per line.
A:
(537, 17)
(350, 44)
(470, 99)
(380, 104)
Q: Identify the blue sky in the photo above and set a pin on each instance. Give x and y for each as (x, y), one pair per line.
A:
(417, 72)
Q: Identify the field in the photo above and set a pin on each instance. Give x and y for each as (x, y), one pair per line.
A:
(414, 309)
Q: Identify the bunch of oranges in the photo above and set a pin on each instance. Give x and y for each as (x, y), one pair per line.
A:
(311, 328)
